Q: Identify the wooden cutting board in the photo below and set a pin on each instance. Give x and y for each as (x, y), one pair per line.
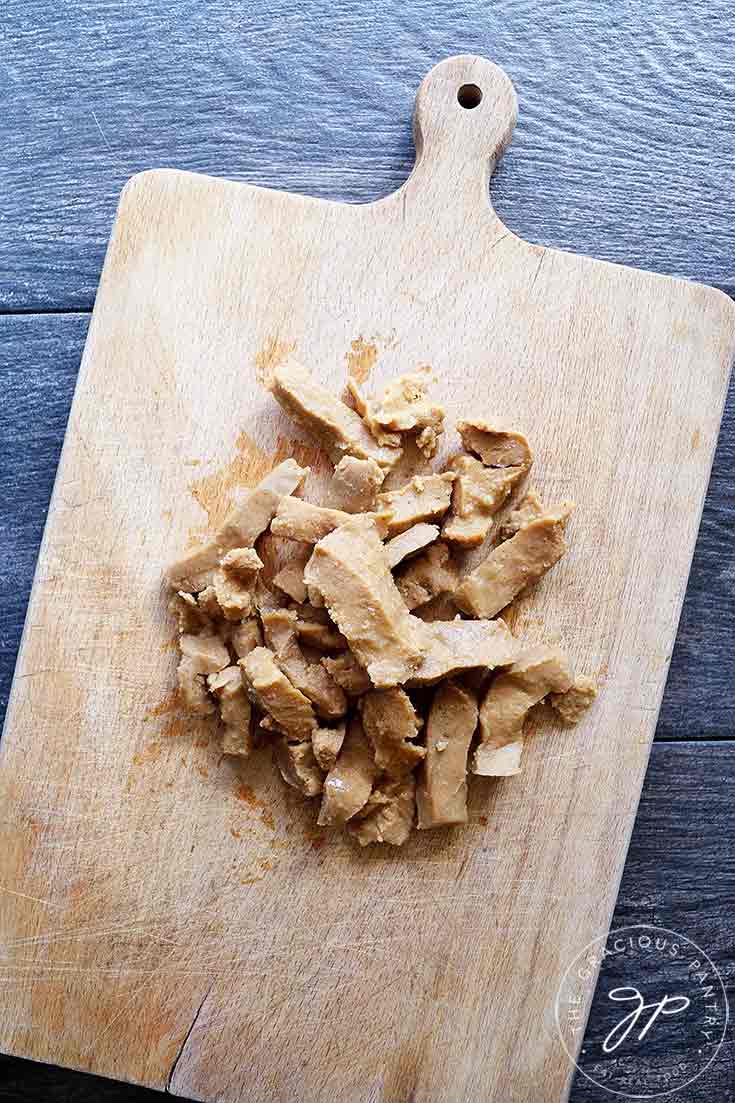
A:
(173, 919)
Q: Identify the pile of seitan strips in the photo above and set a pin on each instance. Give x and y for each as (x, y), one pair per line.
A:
(371, 661)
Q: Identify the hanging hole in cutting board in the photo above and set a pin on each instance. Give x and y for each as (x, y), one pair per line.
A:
(469, 96)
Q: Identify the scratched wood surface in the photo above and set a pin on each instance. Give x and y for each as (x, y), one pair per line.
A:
(191, 929)
(625, 153)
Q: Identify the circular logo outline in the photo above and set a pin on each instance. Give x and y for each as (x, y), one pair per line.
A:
(603, 938)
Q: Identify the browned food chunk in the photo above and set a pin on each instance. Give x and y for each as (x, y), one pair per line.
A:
(298, 766)
(327, 743)
(338, 429)
(200, 655)
(234, 583)
(300, 520)
(246, 637)
(572, 705)
(390, 723)
(528, 509)
(404, 406)
(272, 692)
(427, 576)
(477, 495)
(290, 579)
(512, 693)
(279, 626)
(235, 710)
(515, 564)
(192, 689)
(348, 673)
(348, 784)
(458, 645)
(355, 485)
(350, 569)
(441, 795)
(195, 571)
(191, 616)
(424, 498)
(410, 542)
(391, 819)
(495, 447)
(316, 628)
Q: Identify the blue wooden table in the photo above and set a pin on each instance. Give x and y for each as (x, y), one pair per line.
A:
(624, 150)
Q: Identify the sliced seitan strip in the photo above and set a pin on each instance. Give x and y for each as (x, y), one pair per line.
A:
(200, 656)
(458, 645)
(338, 429)
(234, 583)
(515, 564)
(300, 520)
(251, 517)
(192, 689)
(347, 673)
(246, 637)
(272, 692)
(279, 627)
(495, 447)
(327, 743)
(404, 406)
(235, 710)
(541, 670)
(350, 569)
(441, 795)
(410, 542)
(423, 498)
(355, 485)
(298, 766)
(191, 616)
(290, 579)
(573, 704)
(426, 577)
(528, 509)
(348, 784)
(316, 628)
(477, 495)
(391, 821)
(390, 723)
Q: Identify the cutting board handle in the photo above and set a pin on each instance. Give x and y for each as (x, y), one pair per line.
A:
(466, 109)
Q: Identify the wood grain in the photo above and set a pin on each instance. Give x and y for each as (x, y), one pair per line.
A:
(179, 942)
(624, 149)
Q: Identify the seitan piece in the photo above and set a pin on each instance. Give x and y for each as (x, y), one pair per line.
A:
(390, 723)
(235, 710)
(327, 743)
(251, 517)
(290, 579)
(192, 689)
(234, 583)
(347, 673)
(495, 447)
(272, 692)
(428, 576)
(279, 628)
(200, 655)
(316, 628)
(192, 618)
(338, 429)
(573, 704)
(441, 796)
(392, 817)
(515, 564)
(350, 569)
(246, 637)
(404, 406)
(298, 766)
(423, 498)
(477, 495)
(300, 520)
(349, 783)
(541, 670)
(458, 645)
(355, 485)
(410, 542)
(528, 508)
